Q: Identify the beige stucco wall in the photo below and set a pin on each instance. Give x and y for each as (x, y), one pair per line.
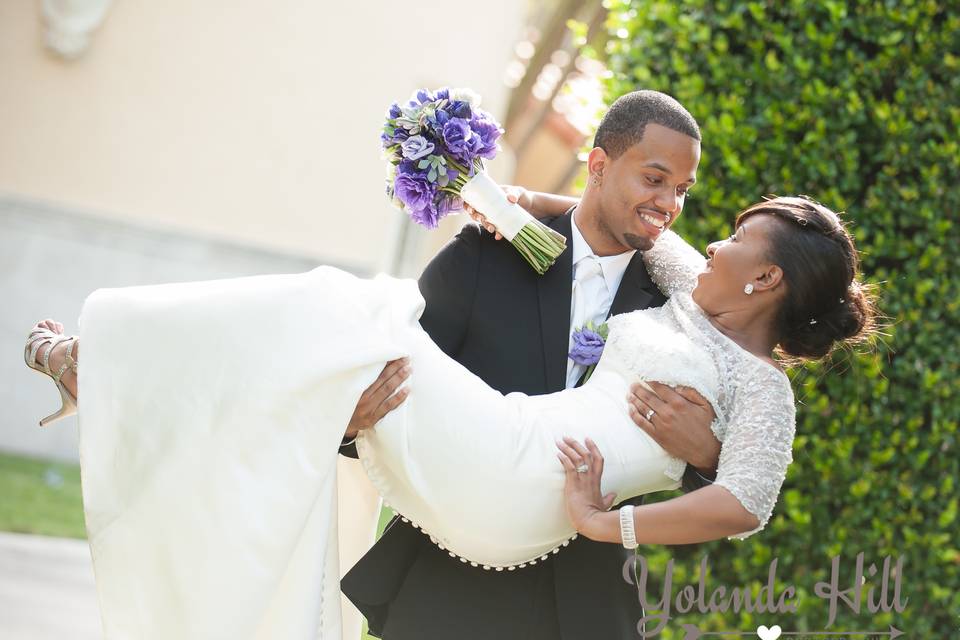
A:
(189, 123)
(251, 121)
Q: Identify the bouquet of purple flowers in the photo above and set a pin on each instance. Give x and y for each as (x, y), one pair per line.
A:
(588, 344)
(435, 146)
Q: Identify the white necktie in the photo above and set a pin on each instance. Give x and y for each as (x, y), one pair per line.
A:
(588, 292)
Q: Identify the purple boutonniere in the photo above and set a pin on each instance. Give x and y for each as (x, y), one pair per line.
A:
(588, 343)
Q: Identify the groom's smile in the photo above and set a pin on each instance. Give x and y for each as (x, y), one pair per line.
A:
(656, 220)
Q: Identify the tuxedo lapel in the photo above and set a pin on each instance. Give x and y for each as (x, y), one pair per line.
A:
(554, 289)
(636, 289)
(635, 292)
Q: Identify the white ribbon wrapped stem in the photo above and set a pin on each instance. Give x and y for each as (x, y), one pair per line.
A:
(486, 196)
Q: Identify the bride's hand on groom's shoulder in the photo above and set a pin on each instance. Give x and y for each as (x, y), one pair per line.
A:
(581, 491)
(516, 195)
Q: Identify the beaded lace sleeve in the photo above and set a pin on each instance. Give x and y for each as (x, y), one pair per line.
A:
(758, 445)
(673, 264)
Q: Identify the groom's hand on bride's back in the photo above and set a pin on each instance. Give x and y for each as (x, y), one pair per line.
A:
(679, 420)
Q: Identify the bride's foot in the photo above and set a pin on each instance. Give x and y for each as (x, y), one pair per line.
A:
(54, 354)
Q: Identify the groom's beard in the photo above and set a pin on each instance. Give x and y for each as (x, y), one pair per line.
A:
(640, 243)
(628, 241)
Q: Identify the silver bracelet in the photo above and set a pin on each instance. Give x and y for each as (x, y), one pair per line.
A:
(627, 533)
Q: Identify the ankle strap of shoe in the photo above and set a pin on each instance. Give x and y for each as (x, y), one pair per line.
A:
(59, 339)
(69, 362)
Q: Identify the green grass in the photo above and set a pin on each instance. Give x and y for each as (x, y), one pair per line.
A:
(40, 497)
(43, 497)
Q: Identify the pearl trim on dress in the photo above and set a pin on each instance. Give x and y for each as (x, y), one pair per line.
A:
(382, 487)
(486, 567)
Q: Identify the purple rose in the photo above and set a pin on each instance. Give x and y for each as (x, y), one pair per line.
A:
(448, 203)
(460, 140)
(428, 216)
(413, 188)
(394, 111)
(416, 147)
(442, 94)
(487, 132)
(439, 118)
(461, 109)
(436, 123)
(388, 140)
(422, 97)
(587, 346)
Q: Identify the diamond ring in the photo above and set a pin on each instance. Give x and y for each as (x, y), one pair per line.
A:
(583, 468)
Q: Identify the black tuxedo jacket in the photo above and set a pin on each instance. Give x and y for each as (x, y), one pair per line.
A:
(486, 308)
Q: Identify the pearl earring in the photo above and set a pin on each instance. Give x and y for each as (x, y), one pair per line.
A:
(748, 289)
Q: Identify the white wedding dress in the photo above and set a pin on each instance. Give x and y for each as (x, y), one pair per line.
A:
(212, 413)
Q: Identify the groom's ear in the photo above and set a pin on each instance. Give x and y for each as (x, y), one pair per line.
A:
(597, 161)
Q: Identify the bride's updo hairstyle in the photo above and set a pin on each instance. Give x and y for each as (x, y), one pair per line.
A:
(825, 303)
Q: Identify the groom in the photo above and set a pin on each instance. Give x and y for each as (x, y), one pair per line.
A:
(489, 310)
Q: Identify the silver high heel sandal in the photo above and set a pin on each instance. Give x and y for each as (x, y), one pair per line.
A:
(35, 342)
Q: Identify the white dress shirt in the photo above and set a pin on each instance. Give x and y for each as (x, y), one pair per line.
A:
(592, 290)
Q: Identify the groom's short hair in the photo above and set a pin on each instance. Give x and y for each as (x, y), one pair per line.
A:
(624, 124)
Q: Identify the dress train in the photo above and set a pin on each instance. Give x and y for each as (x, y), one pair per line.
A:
(211, 513)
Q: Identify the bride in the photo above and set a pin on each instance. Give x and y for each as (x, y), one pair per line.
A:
(213, 411)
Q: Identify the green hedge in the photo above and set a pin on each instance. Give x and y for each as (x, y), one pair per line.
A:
(856, 104)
